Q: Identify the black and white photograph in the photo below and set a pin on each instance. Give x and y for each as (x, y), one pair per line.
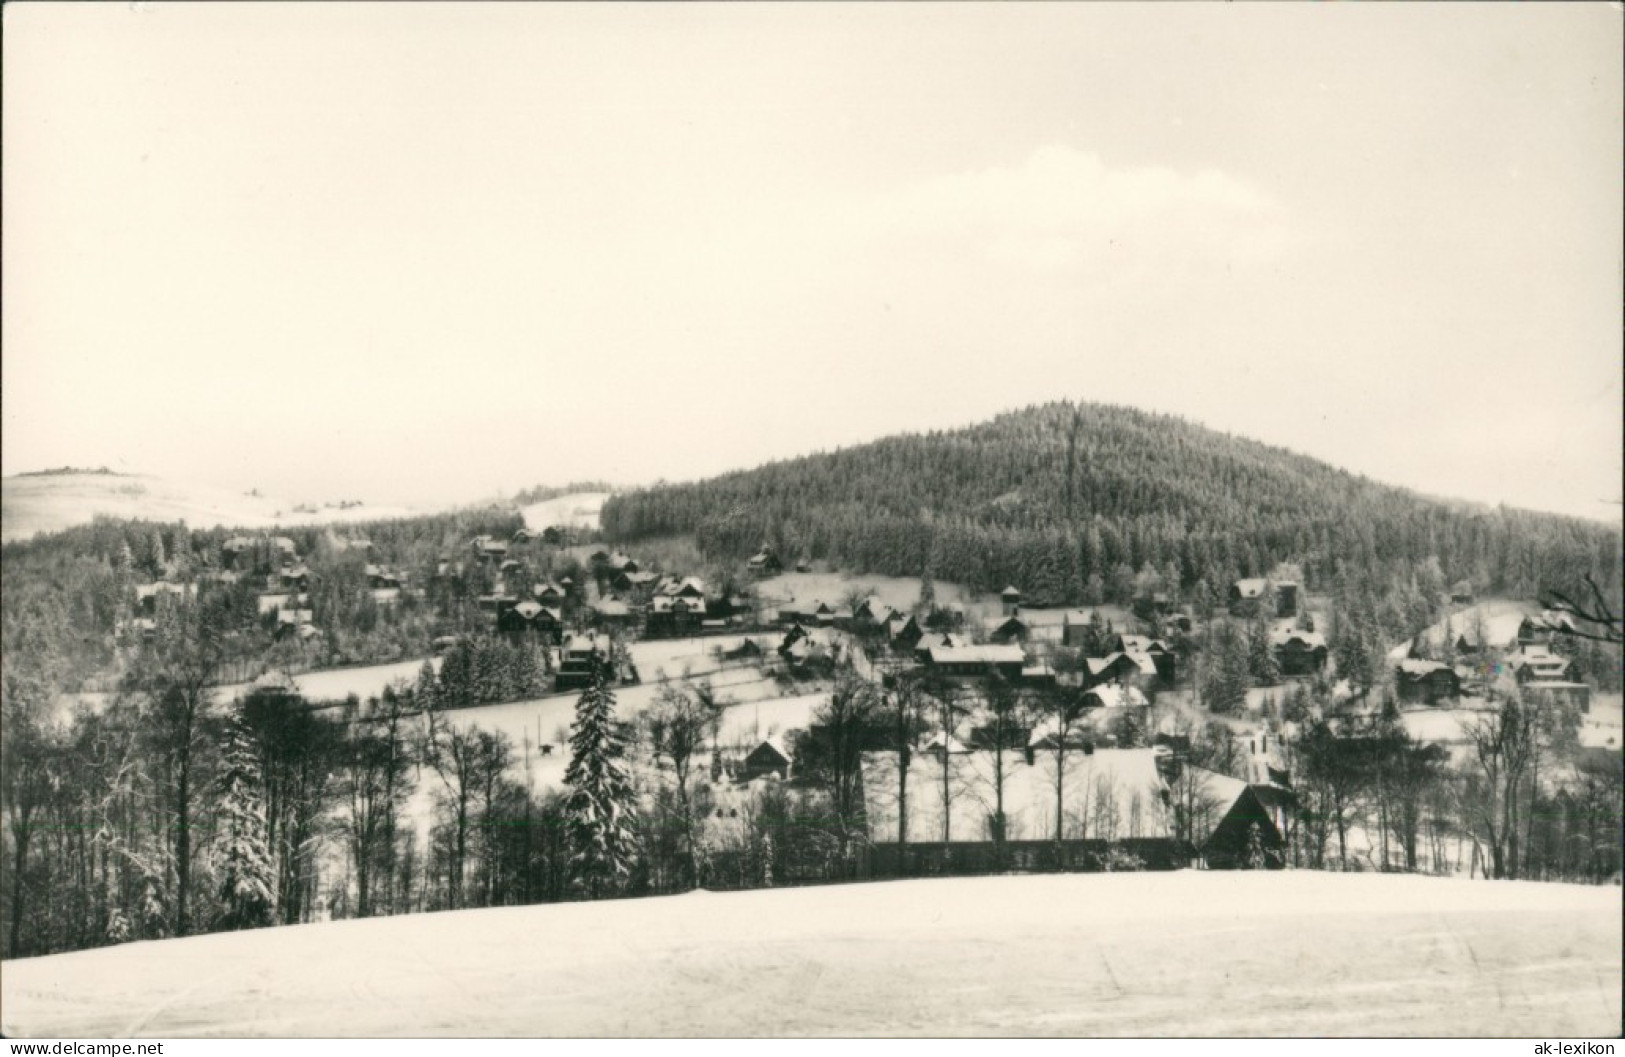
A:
(825, 520)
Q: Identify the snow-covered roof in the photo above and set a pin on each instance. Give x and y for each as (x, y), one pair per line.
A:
(1416, 669)
(1116, 696)
(1308, 639)
(1142, 661)
(988, 654)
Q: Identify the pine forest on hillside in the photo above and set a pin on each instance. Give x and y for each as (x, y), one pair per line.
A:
(1072, 502)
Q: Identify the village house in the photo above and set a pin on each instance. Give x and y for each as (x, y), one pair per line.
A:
(1013, 629)
(147, 595)
(1429, 682)
(533, 619)
(237, 552)
(382, 576)
(1246, 595)
(1076, 624)
(977, 661)
(294, 578)
(871, 616)
(1298, 652)
(611, 612)
(1461, 593)
(903, 633)
(1128, 669)
(764, 563)
(1229, 813)
(489, 549)
(1010, 600)
(633, 580)
(1537, 663)
(931, 640)
(769, 757)
(673, 615)
(1115, 695)
(581, 658)
(548, 593)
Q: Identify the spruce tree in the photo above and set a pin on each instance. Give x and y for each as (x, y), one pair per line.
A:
(247, 876)
(602, 804)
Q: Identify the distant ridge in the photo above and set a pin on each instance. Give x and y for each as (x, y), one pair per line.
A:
(52, 500)
(1053, 496)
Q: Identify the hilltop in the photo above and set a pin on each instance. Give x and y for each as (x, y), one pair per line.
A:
(1056, 496)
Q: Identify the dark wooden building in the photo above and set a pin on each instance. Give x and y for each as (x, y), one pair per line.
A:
(1429, 682)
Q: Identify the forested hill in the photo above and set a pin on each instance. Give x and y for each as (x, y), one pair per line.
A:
(1072, 501)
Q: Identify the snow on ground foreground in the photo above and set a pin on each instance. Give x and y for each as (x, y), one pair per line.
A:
(1189, 953)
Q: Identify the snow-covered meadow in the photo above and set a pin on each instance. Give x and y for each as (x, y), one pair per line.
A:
(1146, 954)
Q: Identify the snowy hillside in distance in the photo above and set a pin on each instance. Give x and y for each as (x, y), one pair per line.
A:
(34, 503)
(576, 510)
(1146, 954)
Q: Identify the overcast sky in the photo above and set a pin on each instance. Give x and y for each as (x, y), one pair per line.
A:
(428, 253)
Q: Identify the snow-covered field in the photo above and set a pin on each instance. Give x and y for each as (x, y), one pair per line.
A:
(901, 592)
(1604, 726)
(576, 510)
(52, 502)
(1500, 618)
(1175, 954)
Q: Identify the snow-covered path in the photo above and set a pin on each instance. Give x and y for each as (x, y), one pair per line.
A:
(1188, 953)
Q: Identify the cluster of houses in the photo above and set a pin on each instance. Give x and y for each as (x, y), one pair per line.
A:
(1527, 657)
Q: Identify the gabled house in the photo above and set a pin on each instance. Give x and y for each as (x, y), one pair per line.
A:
(613, 612)
(871, 614)
(903, 633)
(489, 549)
(1535, 663)
(1076, 624)
(764, 563)
(673, 615)
(1010, 600)
(1427, 681)
(581, 657)
(632, 580)
(532, 618)
(147, 595)
(1115, 695)
(1014, 629)
(1246, 596)
(1241, 825)
(769, 757)
(1461, 593)
(382, 576)
(294, 578)
(548, 593)
(1298, 652)
(931, 640)
(1123, 668)
(975, 661)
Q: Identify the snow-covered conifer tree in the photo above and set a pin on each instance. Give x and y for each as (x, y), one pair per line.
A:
(602, 802)
(247, 877)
